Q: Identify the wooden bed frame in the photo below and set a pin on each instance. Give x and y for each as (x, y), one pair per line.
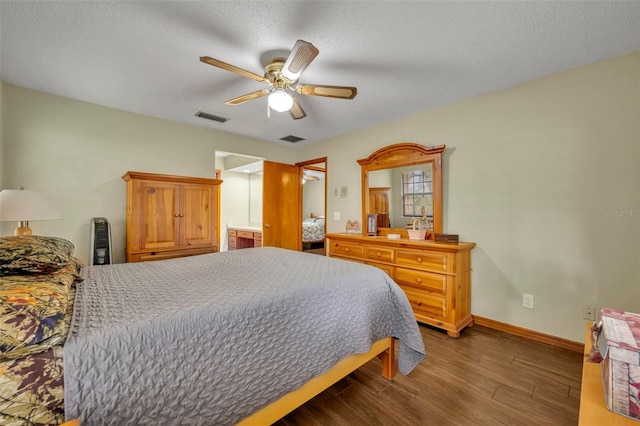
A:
(383, 349)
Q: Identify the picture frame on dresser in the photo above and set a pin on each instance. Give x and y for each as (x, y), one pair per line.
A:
(372, 224)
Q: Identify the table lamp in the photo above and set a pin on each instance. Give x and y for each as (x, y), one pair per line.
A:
(22, 205)
(421, 202)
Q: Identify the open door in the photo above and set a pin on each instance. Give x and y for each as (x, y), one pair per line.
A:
(281, 201)
(379, 204)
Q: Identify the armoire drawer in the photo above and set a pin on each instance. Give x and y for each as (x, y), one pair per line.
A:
(382, 254)
(437, 262)
(426, 280)
(170, 254)
(340, 248)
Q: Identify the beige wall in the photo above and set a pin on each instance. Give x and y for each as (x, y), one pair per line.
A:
(535, 175)
(75, 153)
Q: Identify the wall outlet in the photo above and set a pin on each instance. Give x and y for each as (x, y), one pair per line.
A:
(527, 301)
(589, 312)
(336, 215)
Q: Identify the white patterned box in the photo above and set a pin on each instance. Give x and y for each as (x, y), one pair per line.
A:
(619, 344)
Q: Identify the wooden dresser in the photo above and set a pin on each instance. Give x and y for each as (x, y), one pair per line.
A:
(436, 277)
(240, 238)
(171, 216)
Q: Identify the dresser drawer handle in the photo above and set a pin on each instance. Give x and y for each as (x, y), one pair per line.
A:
(346, 249)
(419, 280)
(419, 302)
(419, 260)
(378, 254)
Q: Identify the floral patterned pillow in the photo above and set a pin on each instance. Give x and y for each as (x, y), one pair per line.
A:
(33, 254)
(35, 311)
(31, 389)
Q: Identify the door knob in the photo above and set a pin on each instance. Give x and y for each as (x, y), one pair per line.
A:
(266, 225)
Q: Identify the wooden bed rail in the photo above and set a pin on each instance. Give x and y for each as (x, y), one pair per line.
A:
(383, 349)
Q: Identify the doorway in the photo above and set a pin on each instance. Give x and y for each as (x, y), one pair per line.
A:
(379, 204)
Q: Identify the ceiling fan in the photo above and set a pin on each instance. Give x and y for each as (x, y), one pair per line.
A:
(283, 75)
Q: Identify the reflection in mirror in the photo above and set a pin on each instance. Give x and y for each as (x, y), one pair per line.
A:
(402, 183)
(403, 194)
(313, 207)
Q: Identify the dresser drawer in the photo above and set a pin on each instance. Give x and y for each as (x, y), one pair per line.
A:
(245, 234)
(424, 280)
(232, 232)
(437, 262)
(340, 248)
(232, 241)
(382, 254)
(386, 268)
(425, 304)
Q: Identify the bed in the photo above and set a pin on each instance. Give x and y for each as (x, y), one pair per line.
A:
(222, 338)
(313, 230)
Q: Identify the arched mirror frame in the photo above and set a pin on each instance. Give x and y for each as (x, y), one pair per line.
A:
(401, 155)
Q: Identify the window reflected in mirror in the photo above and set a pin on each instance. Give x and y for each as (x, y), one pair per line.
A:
(401, 195)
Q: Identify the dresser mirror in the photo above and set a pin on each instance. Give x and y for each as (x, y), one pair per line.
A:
(402, 186)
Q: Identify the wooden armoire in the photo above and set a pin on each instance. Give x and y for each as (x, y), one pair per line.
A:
(171, 216)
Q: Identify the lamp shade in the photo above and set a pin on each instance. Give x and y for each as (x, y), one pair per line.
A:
(19, 205)
(421, 202)
(280, 100)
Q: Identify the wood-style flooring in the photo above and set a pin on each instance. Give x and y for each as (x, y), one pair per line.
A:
(486, 377)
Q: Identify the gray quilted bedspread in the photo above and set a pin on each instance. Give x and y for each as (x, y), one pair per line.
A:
(207, 340)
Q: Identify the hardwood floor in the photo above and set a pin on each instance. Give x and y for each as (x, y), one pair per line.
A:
(486, 377)
(315, 248)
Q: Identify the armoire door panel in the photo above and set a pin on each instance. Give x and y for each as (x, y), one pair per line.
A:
(159, 202)
(197, 217)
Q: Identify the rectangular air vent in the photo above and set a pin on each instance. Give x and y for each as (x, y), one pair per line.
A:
(211, 117)
(292, 139)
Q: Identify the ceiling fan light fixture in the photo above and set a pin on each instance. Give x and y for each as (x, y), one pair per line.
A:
(280, 100)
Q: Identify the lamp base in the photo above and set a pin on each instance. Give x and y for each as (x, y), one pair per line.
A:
(22, 229)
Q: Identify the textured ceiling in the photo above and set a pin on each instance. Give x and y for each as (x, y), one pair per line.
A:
(404, 57)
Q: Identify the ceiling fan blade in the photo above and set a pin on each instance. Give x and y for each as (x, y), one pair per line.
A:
(299, 59)
(296, 110)
(342, 92)
(248, 97)
(233, 68)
